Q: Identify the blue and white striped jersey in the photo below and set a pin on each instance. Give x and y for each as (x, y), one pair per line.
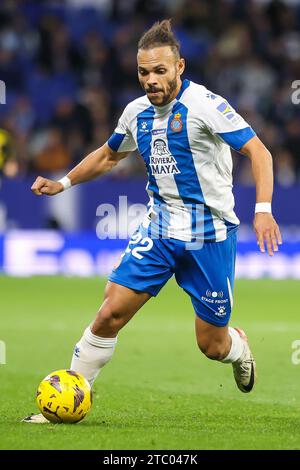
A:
(186, 149)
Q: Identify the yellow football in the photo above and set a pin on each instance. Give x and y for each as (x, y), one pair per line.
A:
(64, 396)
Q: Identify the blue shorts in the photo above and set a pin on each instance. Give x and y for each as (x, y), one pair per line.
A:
(206, 274)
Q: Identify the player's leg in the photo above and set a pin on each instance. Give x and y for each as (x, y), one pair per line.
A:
(213, 341)
(144, 269)
(230, 346)
(119, 305)
(207, 275)
(98, 342)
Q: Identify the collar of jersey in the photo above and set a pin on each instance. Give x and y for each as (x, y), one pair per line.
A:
(164, 109)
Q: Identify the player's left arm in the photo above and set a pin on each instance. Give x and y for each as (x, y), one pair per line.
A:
(265, 226)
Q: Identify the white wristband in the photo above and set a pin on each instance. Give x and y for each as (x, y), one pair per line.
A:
(66, 182)
(263, 207)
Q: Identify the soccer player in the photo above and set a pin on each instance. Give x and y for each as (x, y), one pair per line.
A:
(184, 133)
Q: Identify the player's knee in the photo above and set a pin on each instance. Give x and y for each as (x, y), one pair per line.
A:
(212, 349)
(108, 321)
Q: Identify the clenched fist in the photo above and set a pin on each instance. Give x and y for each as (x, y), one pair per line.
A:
(44, 186)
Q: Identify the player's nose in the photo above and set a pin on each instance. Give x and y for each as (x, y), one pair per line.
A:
(152, 80)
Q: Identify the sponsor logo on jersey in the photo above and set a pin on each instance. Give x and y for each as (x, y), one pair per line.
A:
(211, 96)
(159, 131)
(144, 126)
(160, 147)
(176, 123)
(161, 161)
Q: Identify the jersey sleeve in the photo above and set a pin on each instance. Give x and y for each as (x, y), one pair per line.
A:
(223, 121)
(122, 140)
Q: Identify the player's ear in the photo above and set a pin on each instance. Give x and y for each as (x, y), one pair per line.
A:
(181, 66)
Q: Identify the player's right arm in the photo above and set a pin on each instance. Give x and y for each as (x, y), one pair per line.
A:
(95, 164)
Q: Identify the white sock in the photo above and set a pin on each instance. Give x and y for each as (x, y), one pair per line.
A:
(237, 347)
(91, 353)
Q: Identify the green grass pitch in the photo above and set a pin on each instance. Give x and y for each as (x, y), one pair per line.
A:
(159, 391)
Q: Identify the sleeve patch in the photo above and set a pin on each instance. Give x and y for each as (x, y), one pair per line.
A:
(225, 109)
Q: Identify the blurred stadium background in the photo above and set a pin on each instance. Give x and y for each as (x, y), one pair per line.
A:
(70, 67)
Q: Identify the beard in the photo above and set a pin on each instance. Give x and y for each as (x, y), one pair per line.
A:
(165, 96)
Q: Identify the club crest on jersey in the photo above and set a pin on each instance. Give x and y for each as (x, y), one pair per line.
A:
(176, 123)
